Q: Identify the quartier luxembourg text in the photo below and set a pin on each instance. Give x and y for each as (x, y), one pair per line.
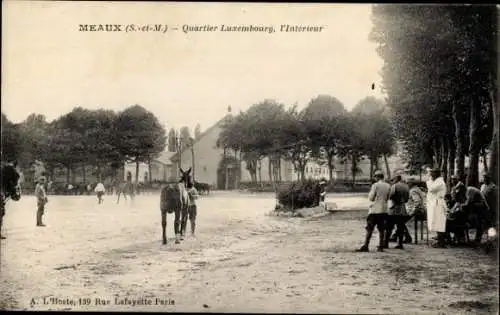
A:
(286, 28)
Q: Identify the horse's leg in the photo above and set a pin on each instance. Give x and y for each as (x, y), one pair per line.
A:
(164, 226)
(416, 229)
(192, 219)
(184, 218)
(177, 225)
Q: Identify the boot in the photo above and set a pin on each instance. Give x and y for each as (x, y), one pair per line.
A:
(386, 238)
(39, 221)
(381, 242)
(400, 235)
(407, 237)
(176, 230)
(364, 248)
(441, 241)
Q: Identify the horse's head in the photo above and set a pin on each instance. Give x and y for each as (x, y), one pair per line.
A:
(186, 178)
(11, 184)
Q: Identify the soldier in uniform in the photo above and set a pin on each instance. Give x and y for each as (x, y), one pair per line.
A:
(398, 197)
(41, 197)
(377, 212)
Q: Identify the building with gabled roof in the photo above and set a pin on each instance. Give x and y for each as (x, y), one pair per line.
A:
(206, 161)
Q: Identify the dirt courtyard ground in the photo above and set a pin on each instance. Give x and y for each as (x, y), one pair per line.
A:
(106, 257)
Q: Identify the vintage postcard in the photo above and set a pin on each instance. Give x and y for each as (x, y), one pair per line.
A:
(249, 157)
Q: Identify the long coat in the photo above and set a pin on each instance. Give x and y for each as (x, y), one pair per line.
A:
(436, 205)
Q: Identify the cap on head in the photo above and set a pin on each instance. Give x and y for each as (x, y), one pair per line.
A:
(378, 173)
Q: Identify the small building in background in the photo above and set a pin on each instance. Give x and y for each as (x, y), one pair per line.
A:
(161, 169)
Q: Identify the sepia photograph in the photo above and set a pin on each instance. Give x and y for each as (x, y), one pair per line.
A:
(224, 157)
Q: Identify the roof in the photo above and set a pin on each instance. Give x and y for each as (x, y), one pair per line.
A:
(175, 156)
(165, 157)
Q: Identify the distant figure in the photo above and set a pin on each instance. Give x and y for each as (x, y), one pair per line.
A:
(377, 212)
(70, 189)
(99, 190)
(321, 193)
(41, 198)
(192, 209)
(49, 187)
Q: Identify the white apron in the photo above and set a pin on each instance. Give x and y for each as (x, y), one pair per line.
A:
(436, 205)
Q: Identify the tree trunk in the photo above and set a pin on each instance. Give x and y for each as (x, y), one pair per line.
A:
(99, 173)
(84, 173)
(270, 169)
(485, 161)
(302, 169)
(259, 166)
(226, 184)
(150, 178)
(493, 165)
(330, 166)
(444, 158)
(474, 149)
(68, 174)
(371, 168)
(387, 168)
(354, 168)
(460, 141)
(136, 170)
(451, 160)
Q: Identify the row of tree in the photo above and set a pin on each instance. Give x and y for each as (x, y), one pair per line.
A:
(439, 73)
(320, 132)
(101, 138)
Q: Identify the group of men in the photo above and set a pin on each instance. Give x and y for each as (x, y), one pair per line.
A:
(387, 210)
(393, 204)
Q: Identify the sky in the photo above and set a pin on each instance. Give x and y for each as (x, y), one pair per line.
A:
(49, 66)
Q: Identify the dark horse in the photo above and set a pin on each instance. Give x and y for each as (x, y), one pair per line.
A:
(175, 198)
(125, 188)
(10, 187)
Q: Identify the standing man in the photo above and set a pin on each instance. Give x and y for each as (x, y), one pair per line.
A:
(398, 197)
(192, 210)
(436, 206)
(41, 197)
(99, 190)
(377, 212)
(490, 192)
(457, 220)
